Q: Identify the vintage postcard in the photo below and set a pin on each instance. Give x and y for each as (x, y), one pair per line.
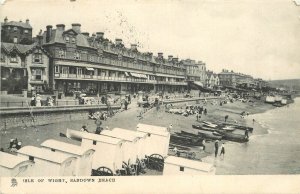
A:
(150, 96)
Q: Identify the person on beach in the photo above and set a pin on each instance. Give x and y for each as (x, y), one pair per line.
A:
(246, 134)
(222, 150)
(84, 129)
(253, 120)
(203, 144)
(32, 102)
(226, 117)
(38, 100)
(99, 128)
(197, 115)
(216, 148)
(205, 111)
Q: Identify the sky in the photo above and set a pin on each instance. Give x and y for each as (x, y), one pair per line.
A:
(256, 37)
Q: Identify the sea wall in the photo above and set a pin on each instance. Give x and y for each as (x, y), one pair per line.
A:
(15, 117)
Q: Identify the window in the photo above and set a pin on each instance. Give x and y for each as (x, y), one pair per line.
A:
(15, 40)
(37, 58)
(3, 57)
(181, 168)
(94, 142)
(67, 39)
(73, 40)
(13, 58)
(61, 53)
(36, 74)
(15, 29)
(77, 55)
(26, 31)
(56, 69)
(92, 58)
(8, 27)
(31, 158)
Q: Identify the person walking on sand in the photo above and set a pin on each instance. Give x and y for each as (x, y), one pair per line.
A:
(203, 144)
(216, 148)
(246, 134)
(226, 117)
(222, 150)
(253, 121)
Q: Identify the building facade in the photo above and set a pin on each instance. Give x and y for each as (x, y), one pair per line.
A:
(94, 64)
(195, 71)
(24, 62)
(233, 79)
(212, 79)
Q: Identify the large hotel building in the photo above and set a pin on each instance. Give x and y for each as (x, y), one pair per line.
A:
(93, 64)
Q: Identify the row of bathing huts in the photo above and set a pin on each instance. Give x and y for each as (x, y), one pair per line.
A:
(278, 100)
(113, 152)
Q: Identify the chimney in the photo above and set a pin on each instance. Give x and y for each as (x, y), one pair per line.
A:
(20, 21)
(133, 46)
(175, 60)
(170, 57)
(85, 34)
(48, 33)
(160, 55)
(76, 27)
(27, 21)
(100, 34)
(39, 39)
(5, 20)
(118, 41)
(60, 27)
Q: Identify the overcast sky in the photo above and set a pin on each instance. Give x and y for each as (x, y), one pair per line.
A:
(257, 37)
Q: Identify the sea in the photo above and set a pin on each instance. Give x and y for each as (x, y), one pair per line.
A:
(273, 147)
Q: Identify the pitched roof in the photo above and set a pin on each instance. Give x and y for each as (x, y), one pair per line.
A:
(57, 37)
(44, 154)
(19, 24)
(11, 161)
(65, 147)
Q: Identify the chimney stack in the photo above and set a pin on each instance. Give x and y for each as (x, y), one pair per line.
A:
(175, 60)
(86, 34)
(5, 20)
(100, 34)
(39, 39)
(160, 55)
(133, 46)
(27, 21)
(170, 57)
(60, 27)
(118, 41)
(76, 27)
(48, 33)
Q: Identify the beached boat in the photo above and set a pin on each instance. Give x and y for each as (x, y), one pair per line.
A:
(278, 98)
(186, 141)
(236, 126)
(202, 128)
(210, 135)
(233, 137)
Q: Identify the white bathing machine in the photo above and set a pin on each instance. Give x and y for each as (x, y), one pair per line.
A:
(129, 148)
(15, 166)
(182, 166)
(158, 140)
(108, 150)
(84, 155)
(48, 163)
(141, 142)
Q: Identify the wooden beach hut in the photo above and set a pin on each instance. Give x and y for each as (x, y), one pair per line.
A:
(129, 148)
(108, 150)
(15, 166)
(48, 163)
(84, 155)
(182, 166)
(141, 142)
(158, 140)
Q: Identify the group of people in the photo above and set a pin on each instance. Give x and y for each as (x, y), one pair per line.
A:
(98, 115)
(36, 100)
(222, 153)
(14, 145)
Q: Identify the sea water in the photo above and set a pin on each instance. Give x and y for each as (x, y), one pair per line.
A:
(273, 148)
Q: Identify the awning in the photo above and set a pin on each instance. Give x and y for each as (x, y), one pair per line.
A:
(139, 75)
(198, 84)
(90, 69)
(126, 74)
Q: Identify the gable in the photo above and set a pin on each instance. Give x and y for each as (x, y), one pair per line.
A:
(70, 32)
